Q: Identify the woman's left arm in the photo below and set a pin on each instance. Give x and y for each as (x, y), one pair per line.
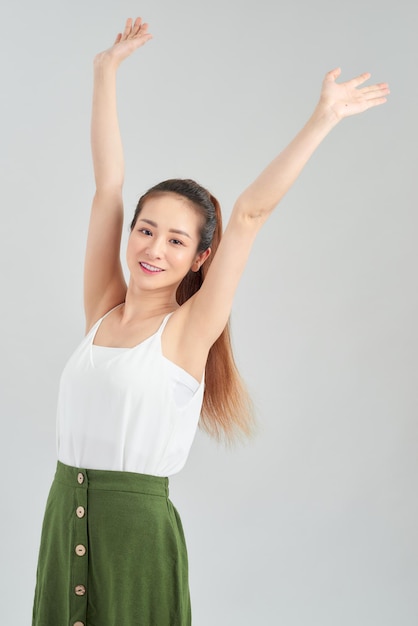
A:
(206, 313)
(337, 101)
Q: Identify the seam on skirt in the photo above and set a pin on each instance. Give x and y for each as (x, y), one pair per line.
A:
(95, 488)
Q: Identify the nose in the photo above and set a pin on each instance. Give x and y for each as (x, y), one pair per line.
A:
(155, 248)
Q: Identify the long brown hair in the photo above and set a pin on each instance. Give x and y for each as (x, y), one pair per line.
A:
(227, 408)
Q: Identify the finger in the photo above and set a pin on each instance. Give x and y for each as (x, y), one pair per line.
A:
(333, 74)
(137, 26)
(377, 94)
(359, 80)
(128, 28)
(368, 89)
(384, 87)
(118, 38)
(146, 37)
(144, 31)
(376, 102)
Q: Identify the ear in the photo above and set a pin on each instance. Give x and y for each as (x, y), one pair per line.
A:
(200, 259)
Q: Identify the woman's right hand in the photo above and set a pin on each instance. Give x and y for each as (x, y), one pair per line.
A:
(134, 36)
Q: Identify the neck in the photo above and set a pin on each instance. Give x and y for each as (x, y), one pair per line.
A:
(141, 304)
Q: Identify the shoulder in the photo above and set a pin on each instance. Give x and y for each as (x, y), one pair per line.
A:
(99, 316)
(180, 342)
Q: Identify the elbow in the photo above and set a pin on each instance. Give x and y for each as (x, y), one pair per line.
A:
(250, 210)
(109, 196)
(111, 186)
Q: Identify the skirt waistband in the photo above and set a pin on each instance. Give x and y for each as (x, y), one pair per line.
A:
(109, 480)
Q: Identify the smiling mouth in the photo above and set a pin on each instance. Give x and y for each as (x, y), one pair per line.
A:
(150, 268)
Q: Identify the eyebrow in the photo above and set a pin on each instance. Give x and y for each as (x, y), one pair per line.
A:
(171, 230)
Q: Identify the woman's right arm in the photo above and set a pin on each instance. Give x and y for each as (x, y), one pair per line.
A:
(104, 283)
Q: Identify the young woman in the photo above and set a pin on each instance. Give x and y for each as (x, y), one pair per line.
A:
(155, 358)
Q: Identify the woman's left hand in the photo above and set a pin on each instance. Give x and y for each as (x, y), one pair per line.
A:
(344, 99)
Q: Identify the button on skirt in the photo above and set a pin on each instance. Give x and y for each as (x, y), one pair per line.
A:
(112, 553)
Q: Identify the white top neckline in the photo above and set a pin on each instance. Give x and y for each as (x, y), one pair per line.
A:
(122, 350)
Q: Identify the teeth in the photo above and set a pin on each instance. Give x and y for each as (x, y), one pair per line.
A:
(151, 268)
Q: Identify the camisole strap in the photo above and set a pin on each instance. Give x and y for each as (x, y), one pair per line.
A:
(163, 324)
(108, 313)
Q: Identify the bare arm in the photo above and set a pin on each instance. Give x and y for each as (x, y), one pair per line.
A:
(338, 100)
(104, 283)
(208, 310)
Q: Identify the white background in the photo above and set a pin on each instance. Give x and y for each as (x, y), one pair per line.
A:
(314, 523)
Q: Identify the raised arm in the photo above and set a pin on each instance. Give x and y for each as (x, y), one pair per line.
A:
(208, 310)
(104, 283)
(337, 100)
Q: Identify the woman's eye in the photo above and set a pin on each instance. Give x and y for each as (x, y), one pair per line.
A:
(145, 231)
(177, 242)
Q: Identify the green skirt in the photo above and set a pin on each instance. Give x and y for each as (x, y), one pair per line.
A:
(112, 553)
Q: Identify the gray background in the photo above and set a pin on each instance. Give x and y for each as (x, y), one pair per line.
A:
(314, 522)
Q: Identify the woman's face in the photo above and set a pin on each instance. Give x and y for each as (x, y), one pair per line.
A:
(162, 246)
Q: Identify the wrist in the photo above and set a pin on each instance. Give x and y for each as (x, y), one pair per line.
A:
(324, 116)
(105, 61)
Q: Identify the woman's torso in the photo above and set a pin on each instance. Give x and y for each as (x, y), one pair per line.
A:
(126, 409)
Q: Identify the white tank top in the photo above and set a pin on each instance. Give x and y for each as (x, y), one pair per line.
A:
(126, 409)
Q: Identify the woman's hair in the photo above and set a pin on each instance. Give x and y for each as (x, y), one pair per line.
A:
(227, 408)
